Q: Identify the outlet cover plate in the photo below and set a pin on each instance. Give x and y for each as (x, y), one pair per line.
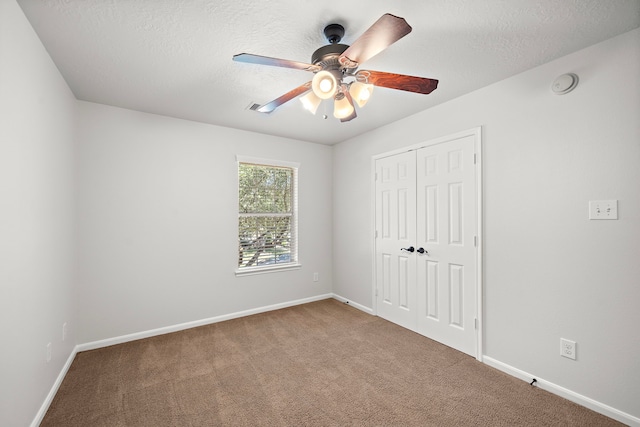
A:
(568, 348)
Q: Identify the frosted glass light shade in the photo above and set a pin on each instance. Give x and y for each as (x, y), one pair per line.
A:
(360, 92)
(342, 108)
(311, 102)
(324, 84)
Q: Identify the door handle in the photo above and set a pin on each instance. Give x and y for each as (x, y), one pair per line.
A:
(409, 249)
(423, 251)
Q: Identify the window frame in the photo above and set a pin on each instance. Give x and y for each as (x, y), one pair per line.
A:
(295, 263)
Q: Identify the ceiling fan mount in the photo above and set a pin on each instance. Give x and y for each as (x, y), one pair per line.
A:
(335, 67)
(334, 33)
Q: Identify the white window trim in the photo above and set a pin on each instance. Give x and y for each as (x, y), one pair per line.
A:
(266, 162)
(250, 271)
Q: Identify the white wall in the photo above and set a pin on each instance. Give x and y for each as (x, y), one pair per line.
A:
(158, 222)
(549, 271)
(37, 292)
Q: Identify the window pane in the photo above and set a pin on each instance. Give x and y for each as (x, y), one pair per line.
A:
(264, 189)
(264, 240)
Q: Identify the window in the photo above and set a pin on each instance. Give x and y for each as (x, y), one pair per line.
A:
(267, 215)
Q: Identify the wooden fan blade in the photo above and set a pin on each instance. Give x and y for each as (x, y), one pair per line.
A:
(398, 81)
(274, 62)
(269, 107)
(382, 34)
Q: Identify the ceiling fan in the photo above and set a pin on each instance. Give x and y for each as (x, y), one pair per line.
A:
(336, 70)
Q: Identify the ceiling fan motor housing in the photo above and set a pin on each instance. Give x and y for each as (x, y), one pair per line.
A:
(327, 56)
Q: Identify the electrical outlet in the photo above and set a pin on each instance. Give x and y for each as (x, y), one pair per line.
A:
(64, 331)
(316, 277)
(48, 352)
(568, 348)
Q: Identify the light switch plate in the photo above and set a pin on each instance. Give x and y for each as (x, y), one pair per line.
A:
(603, 209)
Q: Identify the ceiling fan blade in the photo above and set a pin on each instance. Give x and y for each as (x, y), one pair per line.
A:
(270, 106)
(398, 81)
(382, 34)
(275, 62)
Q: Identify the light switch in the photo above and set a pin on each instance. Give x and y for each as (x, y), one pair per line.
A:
(603, 209)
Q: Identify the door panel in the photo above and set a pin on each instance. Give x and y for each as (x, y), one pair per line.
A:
(396, 227)
(431, 214)
(430, 274)
(446, 203)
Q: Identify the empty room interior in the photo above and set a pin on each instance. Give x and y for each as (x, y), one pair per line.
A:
(482, 190)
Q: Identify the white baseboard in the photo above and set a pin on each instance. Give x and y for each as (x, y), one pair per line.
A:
(354, 304)
(54, 389)
(187, 325)
(565, 393)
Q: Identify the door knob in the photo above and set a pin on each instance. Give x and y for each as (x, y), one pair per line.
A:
(422, 251)
(409, 249)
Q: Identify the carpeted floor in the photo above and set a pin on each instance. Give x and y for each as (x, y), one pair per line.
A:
(318, 364)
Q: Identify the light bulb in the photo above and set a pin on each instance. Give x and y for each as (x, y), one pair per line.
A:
(361, 92)
(311, 102)
(342, 108)
(324, 84)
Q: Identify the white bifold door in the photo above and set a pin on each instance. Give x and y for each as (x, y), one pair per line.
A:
(426, 241)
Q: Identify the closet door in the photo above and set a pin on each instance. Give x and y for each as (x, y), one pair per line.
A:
(426, 250)
(446, 230)
(395, 193)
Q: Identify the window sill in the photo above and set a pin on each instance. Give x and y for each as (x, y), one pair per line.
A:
(271, 269)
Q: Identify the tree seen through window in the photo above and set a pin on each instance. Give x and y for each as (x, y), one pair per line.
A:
(266, 215)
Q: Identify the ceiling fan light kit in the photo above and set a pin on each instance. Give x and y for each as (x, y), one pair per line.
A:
(336, 70)
(310, 102)
(324, 84)
(342, 107)
(360, 92)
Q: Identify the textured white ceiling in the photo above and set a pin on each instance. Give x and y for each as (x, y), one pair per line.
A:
(173, 57)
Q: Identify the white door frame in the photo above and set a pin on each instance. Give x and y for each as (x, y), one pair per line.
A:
(477, 134)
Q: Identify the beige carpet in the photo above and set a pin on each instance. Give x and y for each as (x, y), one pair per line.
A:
(318, 364)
